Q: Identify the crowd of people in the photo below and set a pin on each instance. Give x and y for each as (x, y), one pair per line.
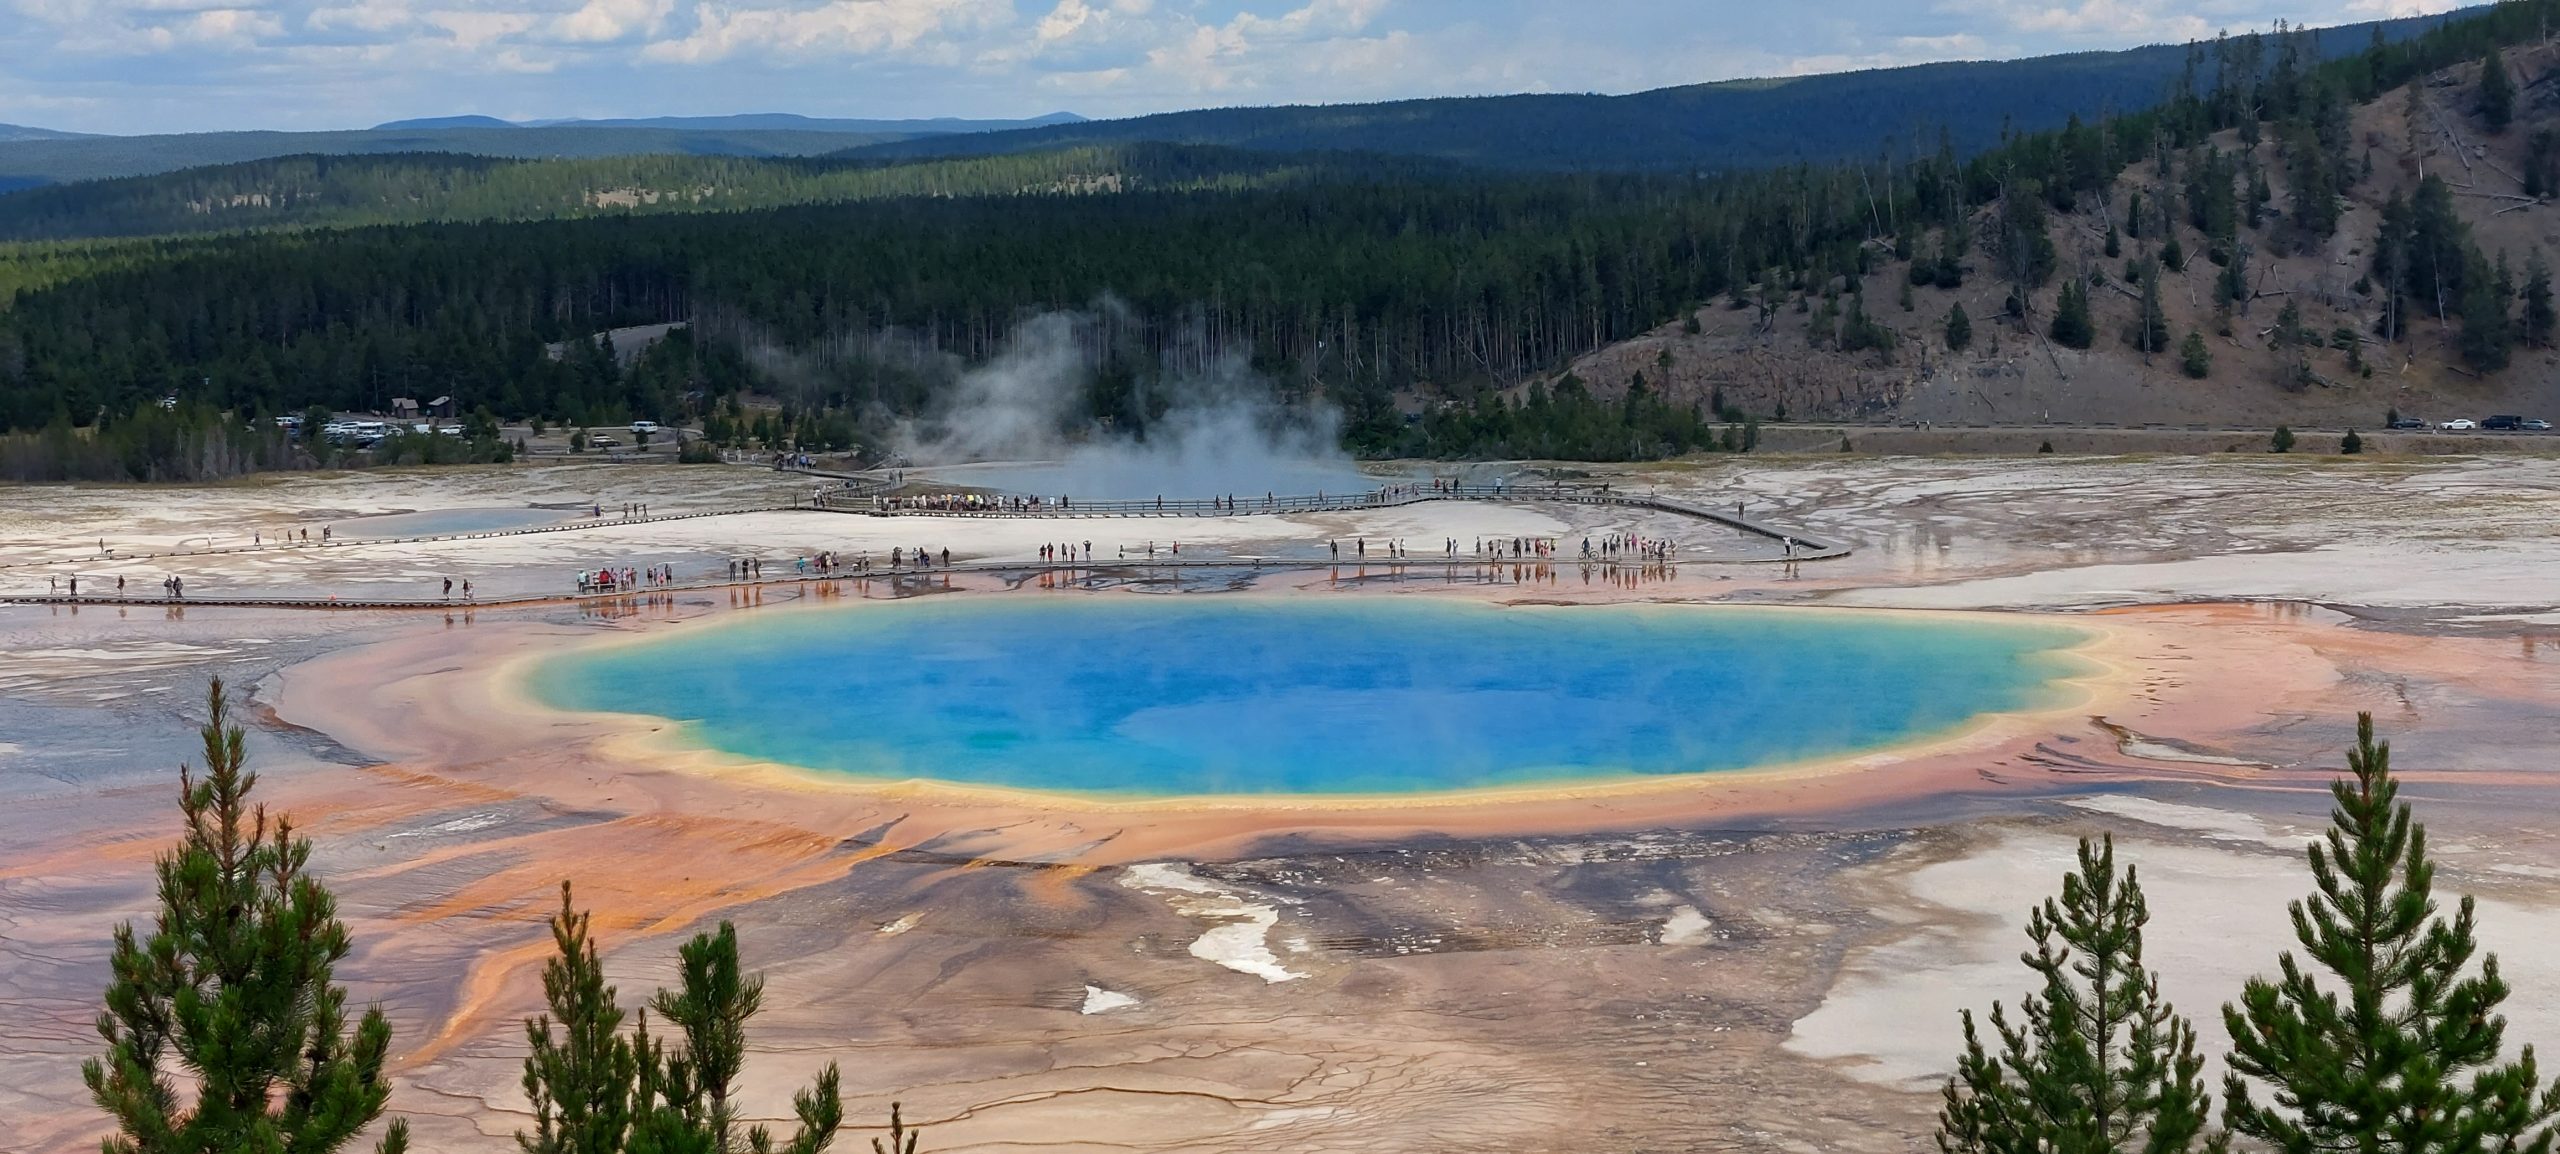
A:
(1626, 546)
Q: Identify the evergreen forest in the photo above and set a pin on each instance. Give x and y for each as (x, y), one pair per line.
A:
(1355, 282)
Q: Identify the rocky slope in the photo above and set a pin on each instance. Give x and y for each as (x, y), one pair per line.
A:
(2013, 373)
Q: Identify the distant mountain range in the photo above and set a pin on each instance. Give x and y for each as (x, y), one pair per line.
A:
(14, 132)
(1722, 126)
(1729, 125)
(33, 156)
(747, 122)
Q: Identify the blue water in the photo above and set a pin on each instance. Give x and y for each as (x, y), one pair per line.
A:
(442, 522)
(1153, 696)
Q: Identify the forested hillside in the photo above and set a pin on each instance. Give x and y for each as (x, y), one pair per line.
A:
(1711, 127)
(66, 159)
(416, 188)
(1446, 293)
(2335, 264)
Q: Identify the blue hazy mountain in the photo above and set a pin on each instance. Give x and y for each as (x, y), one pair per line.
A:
(1728, 125)
(13, 132)
(31, 157)
(744, 122)
(1720, 126)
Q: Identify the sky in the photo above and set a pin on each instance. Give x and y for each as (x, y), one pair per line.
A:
(133, 66)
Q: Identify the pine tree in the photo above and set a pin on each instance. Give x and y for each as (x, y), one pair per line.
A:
(2150, 331)
(2071, 327)
(711, 1007)
(2434, 261)
(902, 1138)
(233, 989)
(2231, 289)
(2101, 1063)
(2538, 317)
(2487, 330)
(2194, 358)
(595, 1091)
(2497, 93)
(583, 1084)
(2313, 175)
(1959, 329)
(2351, 444)
(2281, 441)
(2402, 1055)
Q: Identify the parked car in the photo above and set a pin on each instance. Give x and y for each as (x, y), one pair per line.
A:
(600, 441)
(2408, 423)
(644, 428)
(2537, 425)
(2504, 421)
(2459, 424)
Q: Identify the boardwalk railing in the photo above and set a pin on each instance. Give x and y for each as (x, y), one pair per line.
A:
(1800, 546)
(1807, 547)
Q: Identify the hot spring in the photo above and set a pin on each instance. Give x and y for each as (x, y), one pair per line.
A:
(1146, 696)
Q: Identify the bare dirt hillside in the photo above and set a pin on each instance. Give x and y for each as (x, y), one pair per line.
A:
(2013, 374)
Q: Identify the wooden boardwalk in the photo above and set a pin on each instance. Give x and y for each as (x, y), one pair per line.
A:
(1805, 547)
(1808, 546)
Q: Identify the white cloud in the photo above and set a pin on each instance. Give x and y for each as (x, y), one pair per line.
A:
(370, 16)
(607, 21)
(475, 30)
(837, 28)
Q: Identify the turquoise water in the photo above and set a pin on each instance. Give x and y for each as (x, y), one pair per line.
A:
(1154, 696)
(441, 522)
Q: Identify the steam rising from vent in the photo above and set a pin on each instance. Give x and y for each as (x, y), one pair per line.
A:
(1223, 431)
